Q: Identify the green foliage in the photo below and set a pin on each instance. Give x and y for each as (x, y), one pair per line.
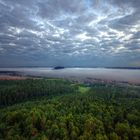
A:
(60, 111)
(12, 92)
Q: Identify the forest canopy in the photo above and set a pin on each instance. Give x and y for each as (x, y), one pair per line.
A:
(56, 109)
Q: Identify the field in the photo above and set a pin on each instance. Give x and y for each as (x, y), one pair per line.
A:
(56, 109)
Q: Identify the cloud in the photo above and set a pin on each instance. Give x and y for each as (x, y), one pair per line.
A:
(76, 32)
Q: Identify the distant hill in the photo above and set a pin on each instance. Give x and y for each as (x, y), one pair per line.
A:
(123, 67)
(58, 67)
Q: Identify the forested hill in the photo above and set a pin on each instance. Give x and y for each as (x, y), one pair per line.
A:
(56, 109)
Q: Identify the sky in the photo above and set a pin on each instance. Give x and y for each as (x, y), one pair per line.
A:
(73, 33)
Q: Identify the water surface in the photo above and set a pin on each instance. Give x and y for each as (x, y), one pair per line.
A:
(124, 75)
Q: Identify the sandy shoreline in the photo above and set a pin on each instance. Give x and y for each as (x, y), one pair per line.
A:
(8, 77)
(74, 79)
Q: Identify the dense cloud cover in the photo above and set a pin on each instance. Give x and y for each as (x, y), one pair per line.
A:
(70, 32)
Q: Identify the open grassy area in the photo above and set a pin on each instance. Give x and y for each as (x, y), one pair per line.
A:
(83, 89)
